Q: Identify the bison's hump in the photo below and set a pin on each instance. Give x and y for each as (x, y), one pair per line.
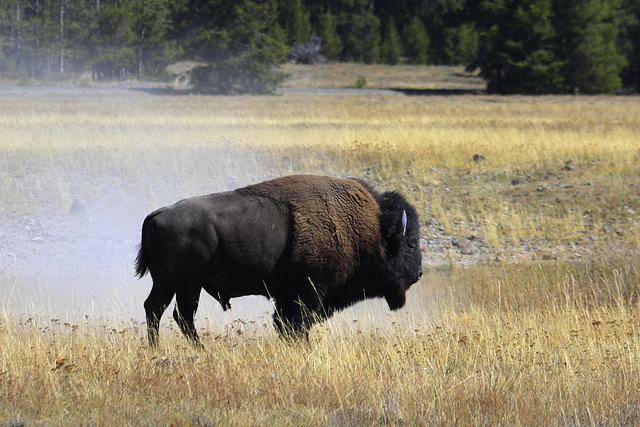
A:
(336, 221)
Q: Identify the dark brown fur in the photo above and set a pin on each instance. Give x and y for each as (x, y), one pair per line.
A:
(327, 213)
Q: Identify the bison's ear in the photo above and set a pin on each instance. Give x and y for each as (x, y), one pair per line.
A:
(397, 239)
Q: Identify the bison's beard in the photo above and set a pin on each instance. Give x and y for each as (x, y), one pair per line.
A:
(396, 299)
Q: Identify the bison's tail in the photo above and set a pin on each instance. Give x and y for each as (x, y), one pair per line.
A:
(142, 264)
(142, 260)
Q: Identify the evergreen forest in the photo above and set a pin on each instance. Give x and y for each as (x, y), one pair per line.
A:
(517, 46)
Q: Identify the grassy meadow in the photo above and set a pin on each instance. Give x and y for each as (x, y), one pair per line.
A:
(528, 312)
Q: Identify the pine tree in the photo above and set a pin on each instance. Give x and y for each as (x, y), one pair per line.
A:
(416, 41)
(516, 50)
(587, 40)
(628, 17)
(300, 26)
(444, 21)
(548, 46)
(7, 52)
(332, 45)
(236, 41)
(361, 32)
(391, 50)
(150, 25)
(460, 44)
(115, 56)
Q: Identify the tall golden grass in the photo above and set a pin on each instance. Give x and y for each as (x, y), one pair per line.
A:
(526, 344)
(541, 329)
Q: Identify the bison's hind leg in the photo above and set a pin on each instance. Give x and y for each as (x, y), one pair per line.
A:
(186, 306)
(156, 303)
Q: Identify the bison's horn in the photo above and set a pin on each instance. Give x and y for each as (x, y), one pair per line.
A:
(404, 223)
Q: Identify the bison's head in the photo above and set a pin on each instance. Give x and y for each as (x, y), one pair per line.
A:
(400, 229)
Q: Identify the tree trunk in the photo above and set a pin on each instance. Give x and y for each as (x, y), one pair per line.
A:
(63, 4)
(17, 34)
(140, 54)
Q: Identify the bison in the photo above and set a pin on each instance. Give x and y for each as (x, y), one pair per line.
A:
(313, 244)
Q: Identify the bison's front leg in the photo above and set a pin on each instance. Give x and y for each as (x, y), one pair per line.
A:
(183, 313)
(293, 317)
(288, 328)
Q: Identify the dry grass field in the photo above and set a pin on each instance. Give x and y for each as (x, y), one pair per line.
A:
(381, 76)
(528, 313)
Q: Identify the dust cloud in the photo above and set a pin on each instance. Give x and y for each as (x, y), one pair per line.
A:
(70, 230)
(71, 224)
